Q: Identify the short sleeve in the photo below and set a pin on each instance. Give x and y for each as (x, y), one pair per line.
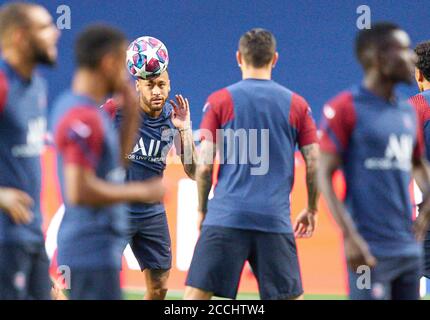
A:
(79, 137)
(301, 119)
(110, 107)
(337, 124)
(217, 112)
(422, 108)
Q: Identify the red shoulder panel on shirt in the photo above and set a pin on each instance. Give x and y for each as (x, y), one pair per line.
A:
(420, 147)
(218, 111)
(338, 123)
(301, 119)
(422, 107)
(4, 90)
(111, 107)
(79, 137)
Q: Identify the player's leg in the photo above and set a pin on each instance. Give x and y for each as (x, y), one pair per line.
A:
(197, 294)
(359, 290)
(14, 270)
(218, 260)
(277, 271)
(131, 232)
(79, 284)
(372, 283)
(407, 285)
(39, 282)
(156, 284)
(151, 246)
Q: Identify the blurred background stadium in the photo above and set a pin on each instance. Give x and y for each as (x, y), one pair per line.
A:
(316, 60)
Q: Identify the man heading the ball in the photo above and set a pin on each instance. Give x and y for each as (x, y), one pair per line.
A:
(249, 215)
(91, 171)
(162, 124)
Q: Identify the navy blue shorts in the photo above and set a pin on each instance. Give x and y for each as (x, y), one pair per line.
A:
(149, 239)
(102, 284)
(396, 278)
(221, 253)
(426, 267)
(24, 272)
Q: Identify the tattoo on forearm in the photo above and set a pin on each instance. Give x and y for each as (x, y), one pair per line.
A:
(311, 156)
(188, 153)
(204, 185)
(204, 172)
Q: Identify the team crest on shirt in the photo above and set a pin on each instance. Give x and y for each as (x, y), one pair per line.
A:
(329, 112)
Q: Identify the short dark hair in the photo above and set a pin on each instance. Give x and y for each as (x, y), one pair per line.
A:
(14, 15)
(95, 42)
(423, 64)
(257, 47)
(374, 38)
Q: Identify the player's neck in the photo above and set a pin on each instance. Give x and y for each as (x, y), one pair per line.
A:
(150, 113)
(257, 73)
(89, 84)
(23, 66)
(380, 87)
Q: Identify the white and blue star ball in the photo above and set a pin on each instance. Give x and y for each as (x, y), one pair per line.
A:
(147, 57)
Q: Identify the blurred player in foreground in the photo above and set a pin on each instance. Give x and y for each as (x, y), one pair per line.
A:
(93, 228)
(248, 218)
(421, 102)
(28, 37)
(161, 125)
(375, 138)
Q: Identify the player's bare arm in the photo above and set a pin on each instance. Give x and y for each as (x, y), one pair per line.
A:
(16, 204)
(204, 176)
(181, 120)
(306, 221)
(356, 249)
(83, 187)
(421, 175)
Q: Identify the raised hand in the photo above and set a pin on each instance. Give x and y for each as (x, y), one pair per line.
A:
(181, 112)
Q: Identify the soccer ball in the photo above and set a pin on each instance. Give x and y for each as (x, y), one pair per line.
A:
(147, 58)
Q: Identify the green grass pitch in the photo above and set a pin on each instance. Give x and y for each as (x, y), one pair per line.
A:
(177, 295)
